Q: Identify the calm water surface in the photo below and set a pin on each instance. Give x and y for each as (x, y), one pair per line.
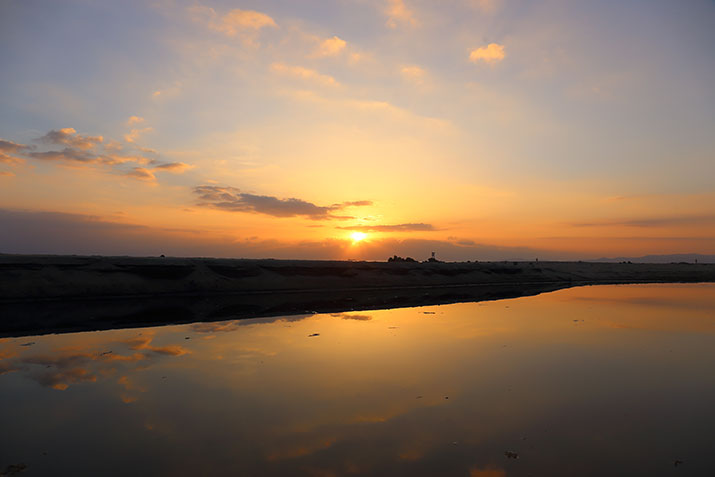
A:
(608, 380)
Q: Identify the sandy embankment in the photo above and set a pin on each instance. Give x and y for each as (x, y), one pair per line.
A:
(52, 294)
(56, 277)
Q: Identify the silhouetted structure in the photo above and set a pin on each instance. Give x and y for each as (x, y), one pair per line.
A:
(395, 258)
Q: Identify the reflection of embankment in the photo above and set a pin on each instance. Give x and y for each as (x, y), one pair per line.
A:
(23, 319)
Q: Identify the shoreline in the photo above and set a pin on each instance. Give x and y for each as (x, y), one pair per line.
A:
(61, 294)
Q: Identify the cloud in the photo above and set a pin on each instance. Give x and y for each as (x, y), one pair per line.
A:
(330, 47)
(233, 200)
(237, 20)
(141, 173)
(413, 74)
(376, 107)
(173, 167)
(68, 154)
(30, 232)
(246, 24)
(7, 149)
(702, 219)
(69, 137)
(303, 73)
(92, 151)
(391, 228)
(398, 13)
(147, 173)
(134, 134)
(490, 54)
(11, 147)
(134, 120)
(169, 91)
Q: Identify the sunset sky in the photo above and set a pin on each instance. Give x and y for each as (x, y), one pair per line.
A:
(358, 129)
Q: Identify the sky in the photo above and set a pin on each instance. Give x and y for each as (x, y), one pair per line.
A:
(358, 129)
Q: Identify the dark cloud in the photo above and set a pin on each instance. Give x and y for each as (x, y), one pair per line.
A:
(391, 228)
(69, 137)
(68, 154)
(703, 219)
(8, 149)
(233, 200)
(91, 151)
(141, 173)
(59, 233)
(11, 147)
(175, 167)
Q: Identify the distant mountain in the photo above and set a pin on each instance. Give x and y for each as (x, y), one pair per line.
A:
(676, 257)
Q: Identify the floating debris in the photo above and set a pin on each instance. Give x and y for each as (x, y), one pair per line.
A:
(314, 334)
(188, 338)
(428, 312)
(28, 344)
(105, 353)
(511, 455)
(418, 397)
(677, 462)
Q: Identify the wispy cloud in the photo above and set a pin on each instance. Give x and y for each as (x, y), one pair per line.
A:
(135, 133)
(245, 24)
(414, 74)
(665, 221)
(303, 73)
(419, 227)
(233, 200)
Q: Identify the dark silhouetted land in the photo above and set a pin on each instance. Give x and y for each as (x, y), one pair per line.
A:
(46, 294)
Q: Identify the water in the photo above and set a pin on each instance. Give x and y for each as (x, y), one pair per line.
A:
(607, 380)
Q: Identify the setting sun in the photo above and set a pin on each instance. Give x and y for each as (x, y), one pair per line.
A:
(358, 236)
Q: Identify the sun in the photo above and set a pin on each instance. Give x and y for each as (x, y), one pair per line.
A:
(358, 236)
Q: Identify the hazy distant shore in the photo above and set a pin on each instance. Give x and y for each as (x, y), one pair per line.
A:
(45, 294)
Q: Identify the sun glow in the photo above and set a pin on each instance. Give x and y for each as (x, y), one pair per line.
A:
(358, 236)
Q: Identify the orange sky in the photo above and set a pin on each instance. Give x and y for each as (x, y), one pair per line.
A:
(476, 129)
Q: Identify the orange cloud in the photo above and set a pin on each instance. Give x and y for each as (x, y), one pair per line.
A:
(245, 24)
(134, 134)
(413, 73)
(134, 120)
(303, 73)
(490, 54)
(330, 47)
(398, 13)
